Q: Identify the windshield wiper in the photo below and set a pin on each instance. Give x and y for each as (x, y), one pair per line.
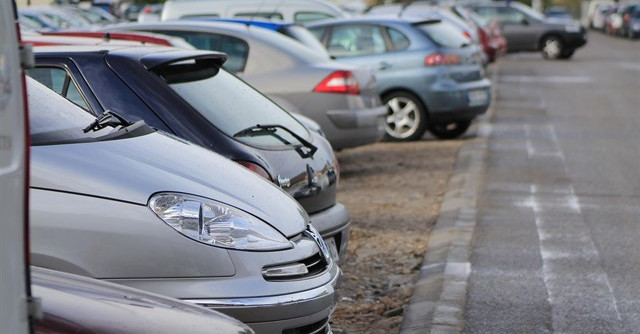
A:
(270, 130)
(107, 118)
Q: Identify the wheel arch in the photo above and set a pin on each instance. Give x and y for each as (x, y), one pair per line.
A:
(405, 90)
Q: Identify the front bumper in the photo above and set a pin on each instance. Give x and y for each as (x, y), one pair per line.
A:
(576, 40)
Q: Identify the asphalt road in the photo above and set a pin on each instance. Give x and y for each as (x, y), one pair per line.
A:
(556, 248)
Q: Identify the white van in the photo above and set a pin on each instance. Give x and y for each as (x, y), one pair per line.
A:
(275, 10)
(13, 223)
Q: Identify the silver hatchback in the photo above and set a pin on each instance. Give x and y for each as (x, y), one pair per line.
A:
(125, 203)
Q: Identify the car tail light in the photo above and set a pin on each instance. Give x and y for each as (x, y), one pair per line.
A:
(438, 59)
(256, 169)
(343, 82)
(467, 34)
(147, 10)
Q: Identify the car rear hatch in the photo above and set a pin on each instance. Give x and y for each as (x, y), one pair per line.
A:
(461, 55)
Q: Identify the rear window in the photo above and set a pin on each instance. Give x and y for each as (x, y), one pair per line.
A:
(304, 36)
(304, 17)
(229, 103)
(444, 34)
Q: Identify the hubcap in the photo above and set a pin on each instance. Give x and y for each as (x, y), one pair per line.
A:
(403, 117)
(552, 48)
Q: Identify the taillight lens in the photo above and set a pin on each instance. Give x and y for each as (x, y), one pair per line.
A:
(147, 10)
(256, 169)
(467, 34)
(438, 59)
(342, 82)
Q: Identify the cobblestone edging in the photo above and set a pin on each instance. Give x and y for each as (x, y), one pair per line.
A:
(439, 296)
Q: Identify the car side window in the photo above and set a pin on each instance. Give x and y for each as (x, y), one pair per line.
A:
(398, 40)
(59, 80)
(356, 40)
(237, 49)
(304, 17)
(509, 16)
(318, 32)
(485, 12)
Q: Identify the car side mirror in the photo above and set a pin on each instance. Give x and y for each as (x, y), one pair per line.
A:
(524, 22)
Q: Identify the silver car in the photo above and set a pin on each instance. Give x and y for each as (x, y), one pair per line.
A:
(341, 98)
(125, 203)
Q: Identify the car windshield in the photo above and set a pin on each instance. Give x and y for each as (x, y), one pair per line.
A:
(529, 11)
(54, 120)
(230, 104)
(444, 34)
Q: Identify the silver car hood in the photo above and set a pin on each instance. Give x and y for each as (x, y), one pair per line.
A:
(133, 169)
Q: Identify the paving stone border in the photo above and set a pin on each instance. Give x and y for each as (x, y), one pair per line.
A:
(439, 296)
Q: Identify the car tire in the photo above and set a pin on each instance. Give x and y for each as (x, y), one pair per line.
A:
(566, 54)
(449, 130)
(552, 47)
(407, 117)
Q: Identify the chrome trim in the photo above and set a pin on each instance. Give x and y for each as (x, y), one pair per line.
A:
(293, 298)
(296, 269)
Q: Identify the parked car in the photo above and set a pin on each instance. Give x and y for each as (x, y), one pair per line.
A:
(81, 305)
(528, 30)
(14, 270)
(634, 24)
(340, 97)
(55, 16)
(489, 32)
(289, 29)
(122, 202)
(139, 37)
(428, 74)
(150, 13)
(273, 10)
(596, 12)
(629, 17)
(206, 105)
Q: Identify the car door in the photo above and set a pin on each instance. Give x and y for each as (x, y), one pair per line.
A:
(519, 30)
(14, 288)
(360, 44)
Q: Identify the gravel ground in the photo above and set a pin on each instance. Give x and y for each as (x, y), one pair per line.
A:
(393, 192)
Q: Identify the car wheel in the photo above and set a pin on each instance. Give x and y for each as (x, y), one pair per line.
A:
(406, 117)
(566, 54)
(450, 130)
(552, 47)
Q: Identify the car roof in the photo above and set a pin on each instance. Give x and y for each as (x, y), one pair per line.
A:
(150, 57)
(380, 19)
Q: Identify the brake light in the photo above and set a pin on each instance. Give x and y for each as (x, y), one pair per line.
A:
(438, 59)
(467, 34)
(342, 82)
(256, 169)
(147, 10)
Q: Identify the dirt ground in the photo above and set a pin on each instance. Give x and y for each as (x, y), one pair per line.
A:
(393, 192)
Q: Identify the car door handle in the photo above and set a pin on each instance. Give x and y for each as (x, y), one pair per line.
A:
(383, 65)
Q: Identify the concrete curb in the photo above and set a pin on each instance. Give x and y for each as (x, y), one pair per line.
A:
(439, 295)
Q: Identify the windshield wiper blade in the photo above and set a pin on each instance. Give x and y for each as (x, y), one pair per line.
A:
(270, 130)
(107, 118)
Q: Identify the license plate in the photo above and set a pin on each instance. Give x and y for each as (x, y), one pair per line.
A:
(333, 249)
(478, 97)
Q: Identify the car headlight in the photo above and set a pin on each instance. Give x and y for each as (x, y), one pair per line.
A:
(572, 28)
(214, 223)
